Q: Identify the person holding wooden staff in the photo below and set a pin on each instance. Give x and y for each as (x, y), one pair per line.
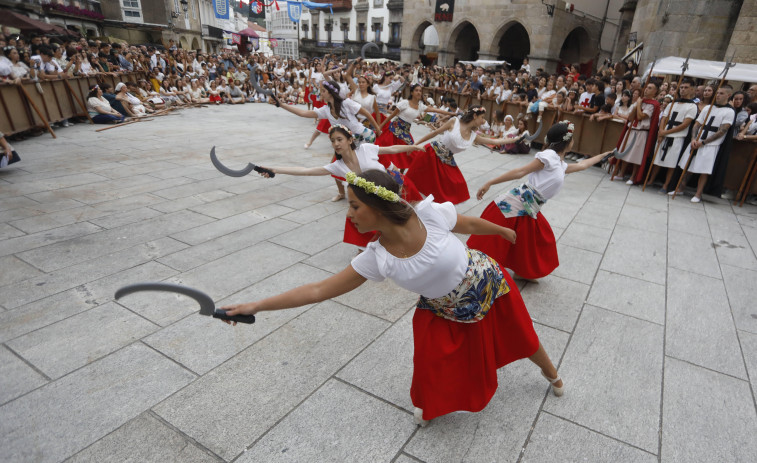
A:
(644, 120)
(711, 126)
(676, 134)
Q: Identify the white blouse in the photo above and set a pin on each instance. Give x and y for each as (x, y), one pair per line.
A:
(365, 102)
(348, 116)
(367, 158)
(548, 181)
(384, 93)
(433, 271)
(454, 140)
(407, 113)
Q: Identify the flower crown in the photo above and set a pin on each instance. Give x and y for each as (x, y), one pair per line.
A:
(371, 187)
(571, 128)
(479, 110)
(349, 132)
(328, 84)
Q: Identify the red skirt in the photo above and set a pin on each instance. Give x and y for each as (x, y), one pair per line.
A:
(455, 364)
(323, 126)
(534, 254)
(388, 138)
(433, 177)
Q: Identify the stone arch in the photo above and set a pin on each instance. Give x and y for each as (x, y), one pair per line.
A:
(195, 44)
(427, 52)
(512, 43)
(577, 47)
(464, 41)
(183, 42)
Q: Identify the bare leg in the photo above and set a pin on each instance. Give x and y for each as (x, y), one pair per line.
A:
(542, 360)
(668, 177)
(700, 184)
(312, 139)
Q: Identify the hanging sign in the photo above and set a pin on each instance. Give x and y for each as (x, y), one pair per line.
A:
(221, 9)
(295, 11)
(444, 9)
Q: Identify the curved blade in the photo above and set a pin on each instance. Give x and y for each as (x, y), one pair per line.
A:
(531, 138)
(622, 154)
(368, 45)
(207, 306)
(225, 170)
(255, 84)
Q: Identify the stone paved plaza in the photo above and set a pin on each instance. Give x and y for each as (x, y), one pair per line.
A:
(652, 314)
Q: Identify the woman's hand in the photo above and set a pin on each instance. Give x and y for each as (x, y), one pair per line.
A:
(250, 308)
(418, 148)
(482, 191)
(509, 234)
(264, 173)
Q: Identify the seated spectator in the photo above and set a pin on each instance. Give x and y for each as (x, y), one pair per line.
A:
(99, 109)
(111, 97)
(235, 94)
(8, 155)
(131, 104)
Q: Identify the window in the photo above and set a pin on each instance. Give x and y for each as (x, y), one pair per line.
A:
(377, 32)
(315, 31)
(378, 3)
(194, 11)
(361, 32)
(396, 32)
(131, 10)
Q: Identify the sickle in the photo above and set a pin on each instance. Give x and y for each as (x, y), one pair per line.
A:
(622, 154)
(258, 88)
(225, 170)
(207, 306)
(536, 134)
(368, 45)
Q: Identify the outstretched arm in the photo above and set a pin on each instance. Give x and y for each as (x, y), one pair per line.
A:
(297, 171)
(497, 141)
(446, 126)
(296, 110)
(394, 149)
(350, 76)
(341, 283)
(477, 226)
(390, 117)
(586, 163)
(520, 172)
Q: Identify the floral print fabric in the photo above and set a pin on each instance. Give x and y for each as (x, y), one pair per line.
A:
(401, 130)
(475, 295)
(520, 201)
(443, 153)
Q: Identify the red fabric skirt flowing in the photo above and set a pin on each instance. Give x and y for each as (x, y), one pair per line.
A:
(400, 160)
(433, 177)
(534, 254)
(455, 364)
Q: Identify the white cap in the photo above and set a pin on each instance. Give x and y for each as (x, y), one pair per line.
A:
(509, 117)
(119, 86)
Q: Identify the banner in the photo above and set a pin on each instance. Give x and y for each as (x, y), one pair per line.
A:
(315, 6)
(256, 9)
(236, 39)
(444, 9)
(221, 9)
(295, 11)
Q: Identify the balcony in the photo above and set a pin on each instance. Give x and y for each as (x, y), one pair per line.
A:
(395, 4)
(362, 6)
(336, 5)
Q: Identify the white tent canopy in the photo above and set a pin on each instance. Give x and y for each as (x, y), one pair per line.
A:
(484, 63)
(704, 69)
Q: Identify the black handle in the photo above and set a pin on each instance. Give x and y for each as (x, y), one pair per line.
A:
(263, 170)
(221, 314)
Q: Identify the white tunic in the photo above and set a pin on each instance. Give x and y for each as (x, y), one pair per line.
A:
(672, 145)
(433, 271)
(367, 157)
(365, 102)
(548, 181)
(705, 157)
(407, 113)
(384, 93)
(348, 115)
(454, 140)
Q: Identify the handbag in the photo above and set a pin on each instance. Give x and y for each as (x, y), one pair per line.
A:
(14, 158)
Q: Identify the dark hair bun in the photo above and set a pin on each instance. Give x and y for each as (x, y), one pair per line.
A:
(556, 133)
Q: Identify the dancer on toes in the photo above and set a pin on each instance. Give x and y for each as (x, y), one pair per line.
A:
(535, 254)
(434, 170)
(349, 158)
(398, 132)
(470, 319)
(339, 110)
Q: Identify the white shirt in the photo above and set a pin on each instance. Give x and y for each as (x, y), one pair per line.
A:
(367, 157)
(549, 180)
(365, 102)
(384, 93)
(585, 100)
(6, 66)
(348, 116)
(435, 270)
(681, 111)
(454, 140)
(407, 113)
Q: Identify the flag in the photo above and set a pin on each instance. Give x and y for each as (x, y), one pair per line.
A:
(221, 9)
(295, 11)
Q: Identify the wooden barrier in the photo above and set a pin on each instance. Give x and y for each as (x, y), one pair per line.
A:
(55, 103)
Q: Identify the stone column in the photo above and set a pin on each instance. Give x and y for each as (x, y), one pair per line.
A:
(626, 20)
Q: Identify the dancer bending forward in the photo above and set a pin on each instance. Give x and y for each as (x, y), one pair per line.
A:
(470, 319)
(535, 254)
(348, 158)
(434, 170)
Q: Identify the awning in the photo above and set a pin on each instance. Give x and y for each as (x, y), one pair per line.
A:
(27, 24)
(703, 69)
(485, 63)
(249, 33)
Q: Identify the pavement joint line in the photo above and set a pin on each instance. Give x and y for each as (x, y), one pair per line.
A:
(170, 425)
(624, 314)
(402, 451)
(30, 365)
(660, 422)
(599, 432)
(407, 455)
(707, 368)
(524, 447)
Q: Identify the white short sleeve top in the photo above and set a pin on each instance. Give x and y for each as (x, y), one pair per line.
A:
(366, 101)
(384, 93)
(407, 113)
(348, 116)
(548, 181)
(454, 140)
(435, 270)
(367, 158)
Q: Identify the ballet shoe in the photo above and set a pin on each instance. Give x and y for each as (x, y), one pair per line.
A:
(418, 418)
(558, 391)
(338, 197)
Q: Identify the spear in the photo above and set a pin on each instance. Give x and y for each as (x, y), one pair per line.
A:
(728, 65)
(629, 123)
(684, 68)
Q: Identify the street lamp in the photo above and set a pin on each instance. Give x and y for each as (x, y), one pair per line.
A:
(184, 6)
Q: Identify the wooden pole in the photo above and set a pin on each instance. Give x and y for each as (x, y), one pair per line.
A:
(728, 65)
(76, 97)
(746, 184)
(36, 109)
(665, 119)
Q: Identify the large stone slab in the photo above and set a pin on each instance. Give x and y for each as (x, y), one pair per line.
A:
(16, 377)
(707, 416)
(74, 342)
(749, 347)
(617, 395)
(636, 253)
(337, 423)
(586, 237)
(742, 294)
(598, 214)
(731, 245)
(555, 301)
(268, 379)
(699, 325)
(497, 433)
(385, 299)
(329, 230)
(629, 296)
(45, 238)
(145, 438)
(577, 264)
(557, 439)
(218, 228)
(202, 343)
(334, 259)
(692, 221)
(693, 254)
(14, 271)
(59, 419)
